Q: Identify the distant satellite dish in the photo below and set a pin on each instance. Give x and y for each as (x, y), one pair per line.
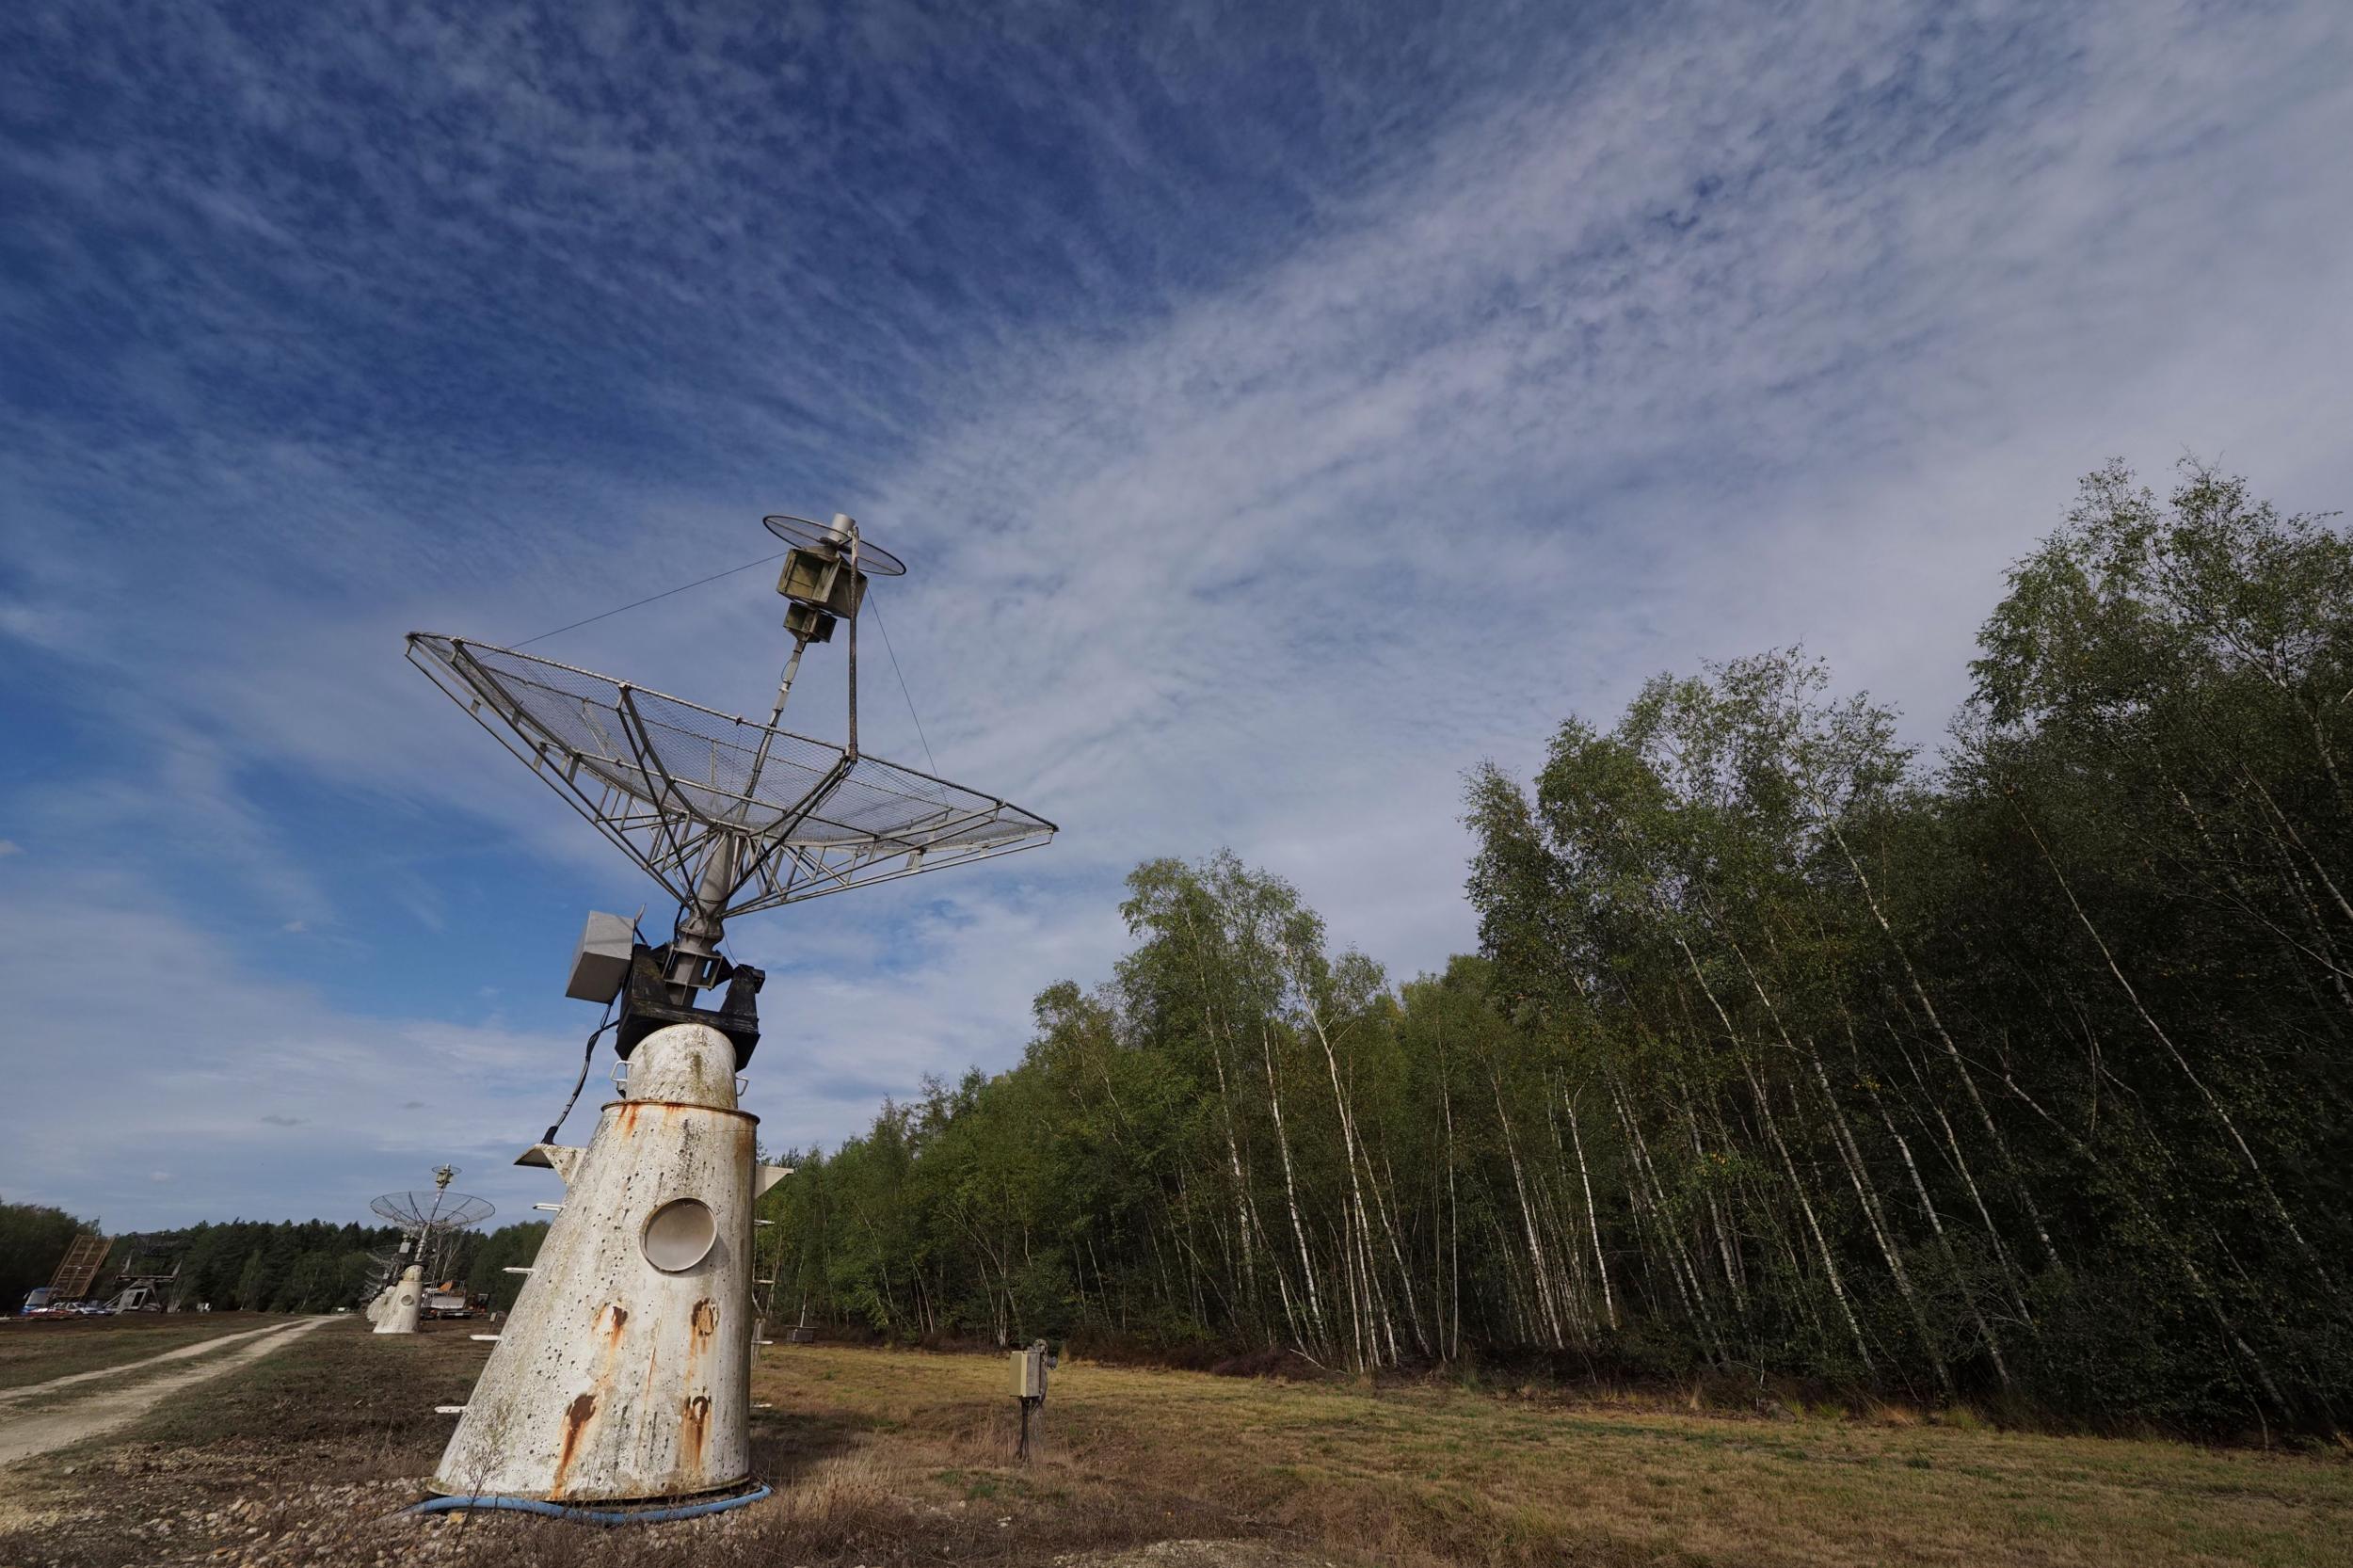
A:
(421, 1213)
(428, 1222)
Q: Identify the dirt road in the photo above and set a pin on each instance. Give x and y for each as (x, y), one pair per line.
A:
(195, 1347)
(25, 1432)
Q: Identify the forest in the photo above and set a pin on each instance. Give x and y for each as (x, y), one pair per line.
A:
(2014, 1074)
(253, 1265)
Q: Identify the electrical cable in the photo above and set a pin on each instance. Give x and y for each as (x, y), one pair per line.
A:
(588, 1515)
(637, 934)
(902, 687)
(587, 1056)
(651, 597)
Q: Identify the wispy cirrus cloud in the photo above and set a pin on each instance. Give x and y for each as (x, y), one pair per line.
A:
(1283, 412)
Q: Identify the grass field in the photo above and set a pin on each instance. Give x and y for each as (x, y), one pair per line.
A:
(35, 1351)
(1439, 1474)
(894, 1457)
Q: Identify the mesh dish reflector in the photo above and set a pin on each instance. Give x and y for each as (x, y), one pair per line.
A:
(678, 1235)
(433, 1210)
(659, 777)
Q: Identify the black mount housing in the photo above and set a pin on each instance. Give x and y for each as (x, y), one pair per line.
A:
(646, 1003)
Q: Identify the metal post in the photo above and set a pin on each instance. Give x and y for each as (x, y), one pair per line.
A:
(1029, 1368)
(699, 928)
(776, 714)
(784, 690)
(851, 558)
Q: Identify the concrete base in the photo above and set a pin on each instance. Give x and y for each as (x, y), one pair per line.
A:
(623, 1374)
(401, 1303)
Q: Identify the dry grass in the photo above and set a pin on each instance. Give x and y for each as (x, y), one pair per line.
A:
(1432, 1474)
(37, 1349)
(306, 1456)
(896, 1458)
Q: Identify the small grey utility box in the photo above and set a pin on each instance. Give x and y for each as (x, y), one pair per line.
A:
(602, 962)
(1030, 1368)
(1029, 1373)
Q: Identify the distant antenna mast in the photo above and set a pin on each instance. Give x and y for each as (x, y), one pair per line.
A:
(624, 1371)
(428, 1222)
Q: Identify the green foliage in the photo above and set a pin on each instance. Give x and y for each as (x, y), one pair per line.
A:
(33, 1240)
(510, 1246)
(306, 1266)
(292, 1266)
(2026, 1076)
(289, 1266)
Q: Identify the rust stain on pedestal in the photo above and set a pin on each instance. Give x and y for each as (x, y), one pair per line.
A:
(576, 1419)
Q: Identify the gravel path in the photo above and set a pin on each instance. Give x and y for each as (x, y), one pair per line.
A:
(198, 1348)
(26, 1432)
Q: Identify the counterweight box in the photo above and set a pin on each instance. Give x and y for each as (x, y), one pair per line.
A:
(602, 963)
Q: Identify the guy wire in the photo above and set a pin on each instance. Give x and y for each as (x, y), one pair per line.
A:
(651, 597)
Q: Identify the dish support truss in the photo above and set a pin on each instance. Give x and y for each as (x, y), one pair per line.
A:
(728, 815)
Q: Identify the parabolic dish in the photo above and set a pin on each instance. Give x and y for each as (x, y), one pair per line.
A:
(435, 1210)
(659, 777)
(872, 559)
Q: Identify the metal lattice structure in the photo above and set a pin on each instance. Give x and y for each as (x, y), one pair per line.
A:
(429, 1218)
(668, 781)
(78, 1268)
(419, 1212)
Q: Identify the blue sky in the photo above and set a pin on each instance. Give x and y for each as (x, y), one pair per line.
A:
(1283, 409)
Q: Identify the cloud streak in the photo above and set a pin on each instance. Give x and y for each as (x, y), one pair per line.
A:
(1272, 441)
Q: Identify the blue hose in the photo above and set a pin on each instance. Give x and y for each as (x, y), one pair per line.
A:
(590, 1515)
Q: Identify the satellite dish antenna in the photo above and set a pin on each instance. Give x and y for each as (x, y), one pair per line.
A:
(428, 1222)
(728, 815)
(623, 1372)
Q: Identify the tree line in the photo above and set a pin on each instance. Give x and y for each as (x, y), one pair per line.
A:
(251, 1265)
(2017, 1072)
(33, 1240)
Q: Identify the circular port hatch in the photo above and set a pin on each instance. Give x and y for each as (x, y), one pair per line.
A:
(678, 1235)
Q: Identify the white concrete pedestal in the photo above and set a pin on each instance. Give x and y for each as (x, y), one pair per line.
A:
(624, 1372)
(397, 1313)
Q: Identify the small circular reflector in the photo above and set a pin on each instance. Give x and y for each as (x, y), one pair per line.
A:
(678, 1235)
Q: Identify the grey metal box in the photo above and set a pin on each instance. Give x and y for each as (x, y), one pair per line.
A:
(602, 962)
